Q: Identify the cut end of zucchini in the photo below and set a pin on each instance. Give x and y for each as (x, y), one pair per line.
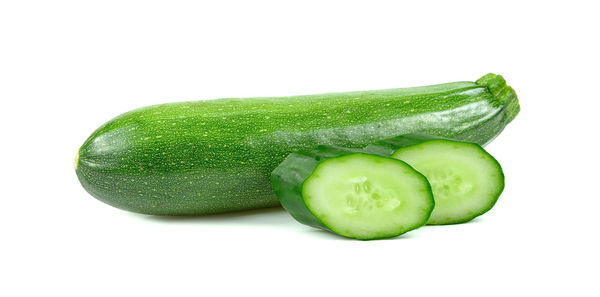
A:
(77, 160)
(504, 94)
(465, 179)
(368, 197)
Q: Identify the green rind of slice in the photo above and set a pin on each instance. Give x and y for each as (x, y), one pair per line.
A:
(466, 180)
(353, 194)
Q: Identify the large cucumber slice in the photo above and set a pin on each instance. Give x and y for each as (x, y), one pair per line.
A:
(353, 194)
(466, 180)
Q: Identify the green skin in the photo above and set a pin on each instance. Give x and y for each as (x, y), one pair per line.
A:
(388, 147)
(289, 177)
(216, 156)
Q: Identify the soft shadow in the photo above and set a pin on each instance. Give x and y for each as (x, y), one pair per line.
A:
(264, 217)
(473, 221)
(326, 235)
(322, 234)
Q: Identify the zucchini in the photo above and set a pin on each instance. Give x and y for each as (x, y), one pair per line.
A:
(353, 194)
(466, 180)
(216, 156)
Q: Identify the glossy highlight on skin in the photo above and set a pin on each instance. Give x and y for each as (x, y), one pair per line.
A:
(215, 156)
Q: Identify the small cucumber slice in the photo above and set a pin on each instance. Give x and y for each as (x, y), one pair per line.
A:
(353, 194)
(466, 180)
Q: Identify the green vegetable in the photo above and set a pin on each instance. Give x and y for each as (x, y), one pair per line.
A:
(215, 156)
(353, 194)
(466, 180)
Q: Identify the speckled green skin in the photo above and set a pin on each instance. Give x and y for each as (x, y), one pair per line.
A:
(387, 147)
(215, 156)
(288, 180)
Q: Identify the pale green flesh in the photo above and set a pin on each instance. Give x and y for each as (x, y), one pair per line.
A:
(365, 196)
(466, 181)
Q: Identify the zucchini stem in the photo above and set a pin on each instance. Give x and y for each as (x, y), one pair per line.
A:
(504, 94)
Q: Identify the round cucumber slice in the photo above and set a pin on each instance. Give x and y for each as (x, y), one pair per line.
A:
(465, 179)
(367, 196)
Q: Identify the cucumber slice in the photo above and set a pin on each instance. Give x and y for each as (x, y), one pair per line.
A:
(466, 180)
(353, 194)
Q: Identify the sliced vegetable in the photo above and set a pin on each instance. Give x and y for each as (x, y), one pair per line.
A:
(353, 194)
(466, 180)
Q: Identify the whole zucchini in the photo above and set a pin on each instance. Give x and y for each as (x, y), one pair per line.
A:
(216, 156)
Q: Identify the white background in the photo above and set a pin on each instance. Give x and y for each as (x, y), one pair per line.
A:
(68, 66)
